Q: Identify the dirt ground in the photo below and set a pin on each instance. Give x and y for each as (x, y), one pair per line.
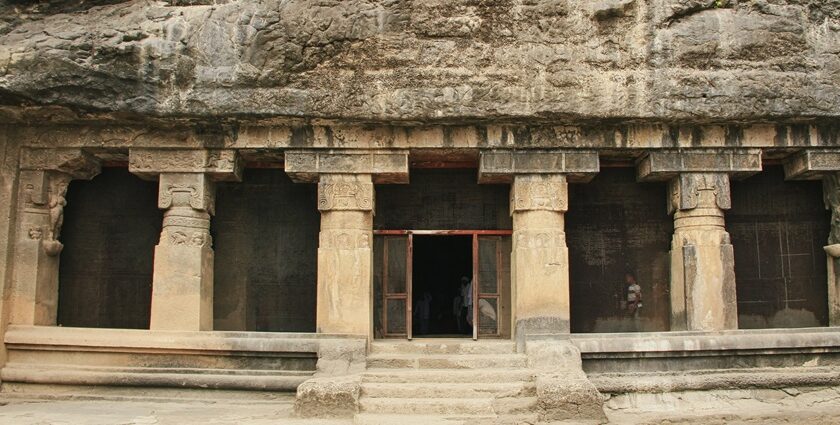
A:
(119, 410)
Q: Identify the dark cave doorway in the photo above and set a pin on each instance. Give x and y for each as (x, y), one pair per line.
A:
(440, 264)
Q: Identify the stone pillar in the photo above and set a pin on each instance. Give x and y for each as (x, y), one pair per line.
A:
(824, 164)
(44, 178)
(182, 283)
(540, 274)
(345, 252)
(540, 258)
(182, 286)
(702, 261)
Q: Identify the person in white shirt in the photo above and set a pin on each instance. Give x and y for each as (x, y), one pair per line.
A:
(634, 294)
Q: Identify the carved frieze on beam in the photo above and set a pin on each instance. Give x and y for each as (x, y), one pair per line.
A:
(500, 166)
(812, 164)
(220, 164)
(664, 165)
(384, 166)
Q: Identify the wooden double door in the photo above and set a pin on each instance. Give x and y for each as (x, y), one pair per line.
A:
(450, 283)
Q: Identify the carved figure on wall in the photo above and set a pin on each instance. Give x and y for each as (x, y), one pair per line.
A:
(198, 239)
(58, 200)
(36, 233)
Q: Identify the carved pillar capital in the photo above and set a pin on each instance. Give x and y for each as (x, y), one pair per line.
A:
(549, 192)
(689, 191)
(698, 178)
(189, 200)
(179, 190)
(341, 192)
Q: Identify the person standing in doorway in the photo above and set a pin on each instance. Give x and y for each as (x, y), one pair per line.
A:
(457, 312)
(466, 299)
(423, 312)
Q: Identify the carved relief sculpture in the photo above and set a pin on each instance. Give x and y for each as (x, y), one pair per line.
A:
(345, 196)
(188, 201)
(539, 195)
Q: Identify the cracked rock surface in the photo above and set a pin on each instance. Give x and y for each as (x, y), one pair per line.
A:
(424, 61)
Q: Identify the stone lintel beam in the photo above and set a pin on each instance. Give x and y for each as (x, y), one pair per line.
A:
(384, 166)
(665, 165)
(500, 166)
(812, 164)
(219, 164)
(73, 162)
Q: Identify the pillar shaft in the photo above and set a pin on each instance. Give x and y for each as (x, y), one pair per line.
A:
(345, 258)
(182, 294)
(540, 258)
(45, 176)
(37, 248)
(702, 260)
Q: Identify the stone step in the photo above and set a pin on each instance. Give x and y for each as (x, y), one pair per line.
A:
(446, 361)
(391, 419)
(446, 346)
(428, 406)
(439, 406)
(444, 390)
(447, 375)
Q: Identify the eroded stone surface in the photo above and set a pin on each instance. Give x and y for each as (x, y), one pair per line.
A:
(692, 60)
(328, 397)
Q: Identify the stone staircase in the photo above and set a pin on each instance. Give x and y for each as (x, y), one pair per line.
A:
(446, 382)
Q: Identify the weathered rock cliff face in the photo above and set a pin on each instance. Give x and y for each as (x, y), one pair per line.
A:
(424, 60)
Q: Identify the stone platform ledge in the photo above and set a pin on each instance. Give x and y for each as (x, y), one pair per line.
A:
(98, 339)
(253, 380)
(712, 380)
(220, 360)
(653, 344)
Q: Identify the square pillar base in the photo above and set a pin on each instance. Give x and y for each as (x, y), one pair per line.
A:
(182, 295)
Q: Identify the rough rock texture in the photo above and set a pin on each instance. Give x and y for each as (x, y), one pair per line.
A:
(328, 397)
(563, 390)
(420, 61)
